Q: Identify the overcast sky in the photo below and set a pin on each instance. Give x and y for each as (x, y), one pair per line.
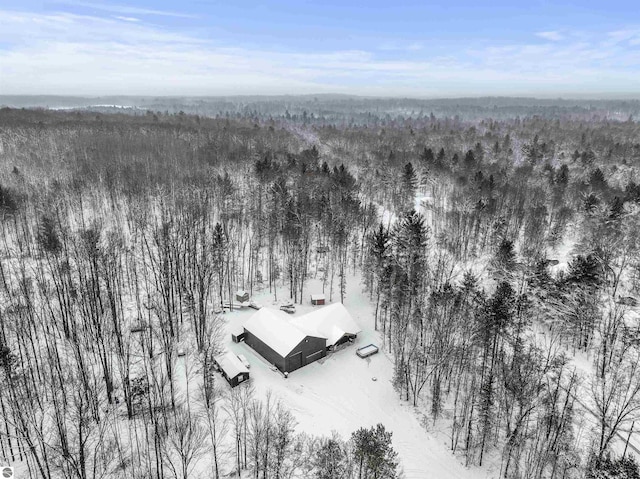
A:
(391, 48)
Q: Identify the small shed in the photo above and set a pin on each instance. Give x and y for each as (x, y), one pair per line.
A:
(242, 296)
(238, 336)
(318, 299)
(231, 368)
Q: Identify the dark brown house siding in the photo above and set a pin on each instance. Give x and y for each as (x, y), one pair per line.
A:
(265, 351)
(240, 378)
(309, 350)
(235, 380)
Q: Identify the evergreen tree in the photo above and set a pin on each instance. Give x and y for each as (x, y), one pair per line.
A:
(533, 151)
(585, 270)
(440, 158)
(632, 192)
(409, 177)
(330, 460)
(505, 258)
(470, 160)
(219, 257)
(377, 270)
(494, 321)
(427, 157)
(562, 175)
(410, 238)
(590, 202)
(9, 200)
(373, 453)
(597, 179)
(48, 236)
(616, 209)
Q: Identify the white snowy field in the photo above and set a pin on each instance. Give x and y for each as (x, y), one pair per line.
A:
(339, 393)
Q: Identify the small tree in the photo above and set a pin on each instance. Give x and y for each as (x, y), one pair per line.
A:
(331, 459)
(185, 443)
(373, 453)
(48, 236)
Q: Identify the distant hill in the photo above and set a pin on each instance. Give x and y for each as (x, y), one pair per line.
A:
(323, 108)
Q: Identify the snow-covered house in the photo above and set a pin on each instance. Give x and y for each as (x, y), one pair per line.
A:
(231, 368)
(237, 334)
(242, 296)
(332, 322)
(317, 299)
(270, 333)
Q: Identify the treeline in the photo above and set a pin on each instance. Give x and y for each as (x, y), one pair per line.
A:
(343, 109)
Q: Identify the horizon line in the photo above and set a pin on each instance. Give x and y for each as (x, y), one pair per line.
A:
(629, 96)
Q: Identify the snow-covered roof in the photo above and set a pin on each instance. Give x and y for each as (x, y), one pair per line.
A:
(273, 328)
(316, 297)
(282, 333)
(331, 322)
(230, 364)
(237, 330)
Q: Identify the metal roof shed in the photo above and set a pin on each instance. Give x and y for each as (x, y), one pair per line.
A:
(232, 368)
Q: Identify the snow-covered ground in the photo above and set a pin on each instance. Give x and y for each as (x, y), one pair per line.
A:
(339, 393)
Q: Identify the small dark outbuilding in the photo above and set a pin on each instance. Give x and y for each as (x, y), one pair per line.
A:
(231, 368)
(237, 335)
(242, 296)
(317, 299)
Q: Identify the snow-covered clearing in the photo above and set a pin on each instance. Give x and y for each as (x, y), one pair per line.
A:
(339, 393)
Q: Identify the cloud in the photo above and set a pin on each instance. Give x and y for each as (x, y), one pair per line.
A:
(552, 36)
(65, 53)
(26, 29)
(629, 36)
(127, 19)
(123, 9)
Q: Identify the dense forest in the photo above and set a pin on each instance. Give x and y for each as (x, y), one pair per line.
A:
(497, 241)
